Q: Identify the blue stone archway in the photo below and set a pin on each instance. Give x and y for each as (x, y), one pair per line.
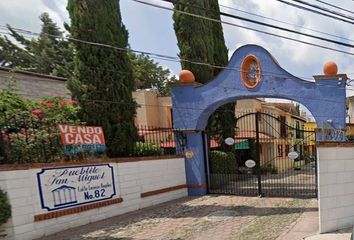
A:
(194, 103)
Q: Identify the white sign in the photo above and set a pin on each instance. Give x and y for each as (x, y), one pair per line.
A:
(250, 163)
(64, 187)
(189, 154)
(293, 155)
(229, 141)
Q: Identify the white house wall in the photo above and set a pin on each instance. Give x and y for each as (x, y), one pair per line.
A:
(132, 181)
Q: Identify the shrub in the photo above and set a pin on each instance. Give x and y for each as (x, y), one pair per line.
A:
(222, 162)
(147, 149)
(39, 146)
(269, 168)
(29, 128)
(5, 208)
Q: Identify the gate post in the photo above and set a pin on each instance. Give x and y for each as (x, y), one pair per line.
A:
(195, 166)
(258, 160)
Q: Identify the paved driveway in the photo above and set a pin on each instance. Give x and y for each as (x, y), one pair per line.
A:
(208, 217)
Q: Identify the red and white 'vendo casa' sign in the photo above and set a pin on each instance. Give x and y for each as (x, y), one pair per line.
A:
(81, 135)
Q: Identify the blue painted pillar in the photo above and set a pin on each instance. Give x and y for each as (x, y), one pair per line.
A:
(195, 167)
(330, 116)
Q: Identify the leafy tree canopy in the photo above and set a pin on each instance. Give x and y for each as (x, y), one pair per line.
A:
(148, 74)
(51, 54)
(47, 54)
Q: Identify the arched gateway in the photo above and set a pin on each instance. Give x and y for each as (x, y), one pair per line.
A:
(252, 73)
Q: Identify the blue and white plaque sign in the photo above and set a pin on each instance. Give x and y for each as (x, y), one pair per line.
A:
(64, 187)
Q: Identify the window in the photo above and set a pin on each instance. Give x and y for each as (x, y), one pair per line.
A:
(298, 132)
(280, 150)
(282, 126)
(287, 149)
(171, 114)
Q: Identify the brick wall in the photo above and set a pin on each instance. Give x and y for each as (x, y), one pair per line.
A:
(139, 183)
(336, 186)
(34, 86)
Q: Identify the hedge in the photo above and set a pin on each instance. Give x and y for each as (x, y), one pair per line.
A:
(5, 208)
(222, 162)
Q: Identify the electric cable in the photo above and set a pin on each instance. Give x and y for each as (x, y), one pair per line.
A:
(266, 24)
(334, 6)
(168, 58)
(315, 11)
(283, 22)
(323, 9)
(244, 27)
(165, 57)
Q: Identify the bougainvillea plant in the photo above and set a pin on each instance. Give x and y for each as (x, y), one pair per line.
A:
(29, 127)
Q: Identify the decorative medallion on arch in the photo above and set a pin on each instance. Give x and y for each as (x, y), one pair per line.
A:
(324, 97)
(251, 71)
(193, 103)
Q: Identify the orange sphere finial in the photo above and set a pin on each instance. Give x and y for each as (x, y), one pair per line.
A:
(186, 76)
(330, 68)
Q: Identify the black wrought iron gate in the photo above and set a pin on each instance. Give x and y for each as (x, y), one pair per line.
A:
(267, 140)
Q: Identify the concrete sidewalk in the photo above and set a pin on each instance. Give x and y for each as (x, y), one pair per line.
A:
(306, 228)
(339, 235)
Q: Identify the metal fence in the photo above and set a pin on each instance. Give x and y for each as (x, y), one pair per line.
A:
(258, 160)
(40, 141)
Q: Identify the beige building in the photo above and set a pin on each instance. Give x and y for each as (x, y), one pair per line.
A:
(154, 118)
(280, 131)
(153, 110)
(350, 109)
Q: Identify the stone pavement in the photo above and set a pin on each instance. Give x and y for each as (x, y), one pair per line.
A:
(208, 217)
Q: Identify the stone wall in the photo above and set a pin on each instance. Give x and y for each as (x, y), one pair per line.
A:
(138, 183)
(32, 85)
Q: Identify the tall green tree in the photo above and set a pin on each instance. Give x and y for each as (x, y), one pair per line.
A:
(103, 81)
(202, 40)
(50, 53)
(148, 74)
(47, 54)
(194, 38)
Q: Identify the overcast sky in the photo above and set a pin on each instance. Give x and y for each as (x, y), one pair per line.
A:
(151, 29)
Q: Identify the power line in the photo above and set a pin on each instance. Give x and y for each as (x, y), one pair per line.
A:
(264, 73)
(154, 55)
(223, 88)
(244, 27)
(283, 22)
(323, 9)
(125, 49)
(203, 17)
(266, 24)
(164, 57)
(315, 11)
(334, 6)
